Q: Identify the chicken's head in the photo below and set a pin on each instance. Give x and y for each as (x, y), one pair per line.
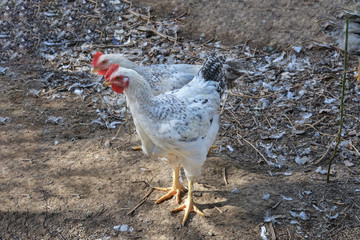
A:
(116, 79)
(100, 63)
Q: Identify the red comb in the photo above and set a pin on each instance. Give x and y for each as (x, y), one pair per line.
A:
(96, 58)
(111, 70)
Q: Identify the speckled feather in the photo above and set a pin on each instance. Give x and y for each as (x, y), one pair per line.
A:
(181, 124)
(161, 77)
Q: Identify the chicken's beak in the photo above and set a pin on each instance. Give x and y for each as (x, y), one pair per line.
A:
(95, 70)
(106, 84)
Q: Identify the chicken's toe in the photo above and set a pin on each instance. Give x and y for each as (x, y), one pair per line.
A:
(136, 148)
(188, 206)
(171, 191)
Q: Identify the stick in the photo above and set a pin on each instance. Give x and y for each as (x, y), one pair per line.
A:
(224, 176)
(253, 148)
(224, 102)
(264, 96)
(327, 150)
(139, 15)
(272, 231)
(218, 209)
(357, 151)
(277, 204)
(233, 115)
(341, 101)
(141, 202)
(146, 29)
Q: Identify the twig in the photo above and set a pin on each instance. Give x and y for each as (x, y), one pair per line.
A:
(224, 103)
(318, 121)
(292, 125)
(357, 151)
(233, 114)
(268, 121)
(341, 101)
(213, 46)
(272, 231)
(105, 35)
(276, 205)
(321, 133)
(139, 15)
(218, 209)
(253, 148)
(288, 233)
(93, 2)
(145, 18)
(146, 29)
(141, 202)
(51, 91)
(114, 45)
(225, 176)
(182, 15)
(357, 119)
(101, 33)
(264, 96)
(246, 96)
(326, 152)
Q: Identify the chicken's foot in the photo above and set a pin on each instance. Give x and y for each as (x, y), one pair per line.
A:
(188, 206)
(175, 190)
(358, 75)
(212, 147)
(136, 148)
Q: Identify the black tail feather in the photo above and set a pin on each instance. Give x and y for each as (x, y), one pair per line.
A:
(213, 71)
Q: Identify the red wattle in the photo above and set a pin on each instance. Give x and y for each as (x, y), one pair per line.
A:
(102, 72)
(117, 88)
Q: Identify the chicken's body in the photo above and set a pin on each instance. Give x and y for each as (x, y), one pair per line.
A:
(161, 77)
(179, 126)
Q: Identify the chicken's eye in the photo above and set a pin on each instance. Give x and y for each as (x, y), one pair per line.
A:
(105, 61)
(118, 78)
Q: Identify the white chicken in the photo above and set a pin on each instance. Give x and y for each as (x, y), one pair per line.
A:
(178, 126)
(161, 77)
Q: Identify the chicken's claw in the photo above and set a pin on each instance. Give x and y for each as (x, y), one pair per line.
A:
(175, 190)
(137, 148)
(188, 206)
(358, 75)
(212, 147)
(171, 191)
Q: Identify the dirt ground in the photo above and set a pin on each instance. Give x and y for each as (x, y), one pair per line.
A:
(66, 173)
(260, 24)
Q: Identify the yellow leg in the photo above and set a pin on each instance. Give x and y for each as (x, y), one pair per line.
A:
(358, 75)
(212, 147)
(137, 148)
(189, 206)
(175, 190)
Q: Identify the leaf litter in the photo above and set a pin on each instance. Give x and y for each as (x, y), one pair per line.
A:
(287, 101)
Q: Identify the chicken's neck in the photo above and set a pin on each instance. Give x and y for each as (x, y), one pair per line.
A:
(138, 94)
(124, 62)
